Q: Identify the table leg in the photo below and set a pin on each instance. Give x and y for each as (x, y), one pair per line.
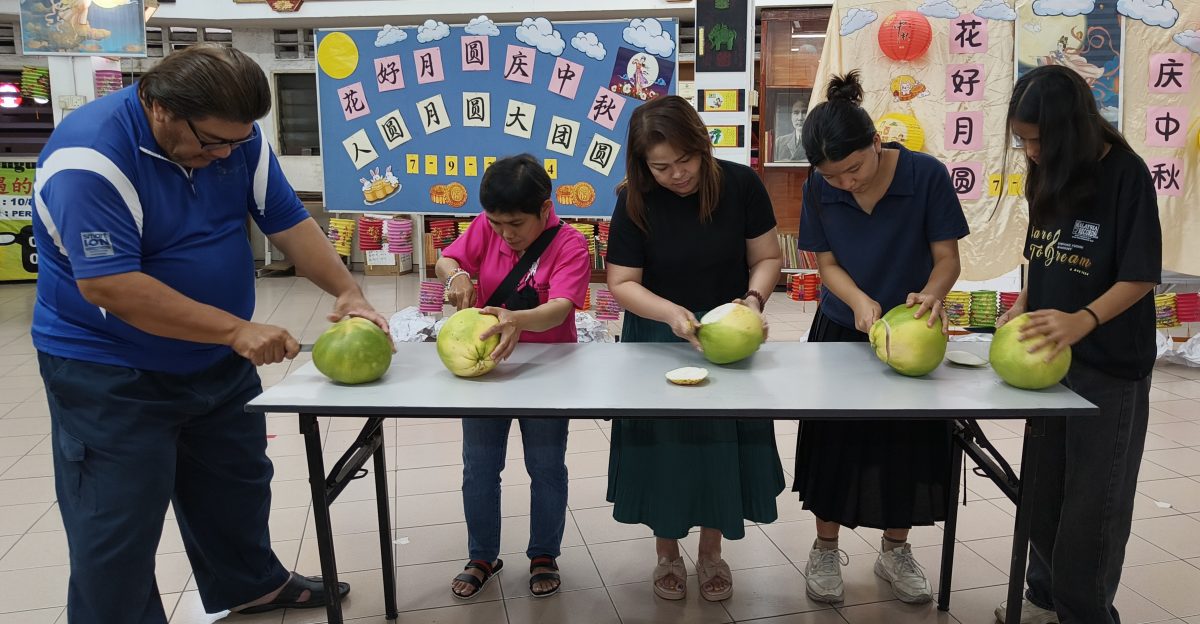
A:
(316, 481)
(951, 527)
(385, 531)
(1035, 429)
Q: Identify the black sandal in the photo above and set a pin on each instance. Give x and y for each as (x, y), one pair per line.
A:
(474, 581)
(289, 596)
(544, 561)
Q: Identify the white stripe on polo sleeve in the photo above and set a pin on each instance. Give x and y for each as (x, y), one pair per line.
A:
(262, 173)
(83, 159)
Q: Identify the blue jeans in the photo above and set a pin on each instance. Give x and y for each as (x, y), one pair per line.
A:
(127, 442)
(1082, 498)
(485, 441)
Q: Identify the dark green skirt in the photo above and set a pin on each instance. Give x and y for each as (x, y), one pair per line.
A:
(673, 475)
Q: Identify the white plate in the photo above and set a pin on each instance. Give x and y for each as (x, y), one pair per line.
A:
(965, 358)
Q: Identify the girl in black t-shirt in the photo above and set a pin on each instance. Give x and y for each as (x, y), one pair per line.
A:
(1095, 252)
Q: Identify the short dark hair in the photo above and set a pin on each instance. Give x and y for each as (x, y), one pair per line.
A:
(515, 184)
(208, 80)
(1072, 136)
(839, 126)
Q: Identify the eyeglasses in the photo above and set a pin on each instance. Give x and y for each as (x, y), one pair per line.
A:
(218, 145)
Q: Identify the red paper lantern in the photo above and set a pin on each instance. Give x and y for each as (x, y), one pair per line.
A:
(905, 35)
(10, 95)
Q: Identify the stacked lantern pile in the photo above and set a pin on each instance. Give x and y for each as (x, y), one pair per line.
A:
(1187, 307)
(602, 242)
(793, 287)
(1007, 301)
(587, 300)
(607, 308)
(1164, 311)
(433, 294)
(370, 233)
(398, 233)
(443, 232)
(983, 308)
(958, 308)
(804, 287)
(341, 234)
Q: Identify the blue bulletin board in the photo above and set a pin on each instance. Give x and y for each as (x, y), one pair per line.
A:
(411, 117)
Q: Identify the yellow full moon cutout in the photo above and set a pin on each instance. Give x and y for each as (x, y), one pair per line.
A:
(337, 55)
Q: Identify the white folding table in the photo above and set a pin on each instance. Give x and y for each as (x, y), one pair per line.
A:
(626, 380)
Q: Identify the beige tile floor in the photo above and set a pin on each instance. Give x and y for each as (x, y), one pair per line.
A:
(605, 564)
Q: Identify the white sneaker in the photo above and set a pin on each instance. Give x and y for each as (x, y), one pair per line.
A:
(1030, 614)
(899, 568)
(823, 574)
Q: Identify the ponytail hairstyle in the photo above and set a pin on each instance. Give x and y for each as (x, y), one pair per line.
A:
(839, 126)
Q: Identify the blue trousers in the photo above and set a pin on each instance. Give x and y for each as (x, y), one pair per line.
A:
(127, 442)
(485, 441)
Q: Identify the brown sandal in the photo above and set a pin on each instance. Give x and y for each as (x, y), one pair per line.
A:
(667, 568)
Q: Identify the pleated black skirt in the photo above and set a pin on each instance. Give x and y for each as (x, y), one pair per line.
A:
(880, 474)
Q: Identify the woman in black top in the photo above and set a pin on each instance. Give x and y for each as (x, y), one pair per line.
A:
(689, 233)
(1095, 254)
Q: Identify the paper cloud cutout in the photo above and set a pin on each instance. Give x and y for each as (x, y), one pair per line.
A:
(996, 10)
(432, 30)
(481, 25)
(1189, 39)
(1070, 8)
(539, 33)
(856, 20)
(389, 35)
(648, 34)
(1153, 12)
(1033, 27)
(939, 8)
(589, 44)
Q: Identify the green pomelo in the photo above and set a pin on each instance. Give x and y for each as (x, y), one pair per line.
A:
(907, 344)
(729, 333)
(459, 346)
(1018, 367)
(353, 351)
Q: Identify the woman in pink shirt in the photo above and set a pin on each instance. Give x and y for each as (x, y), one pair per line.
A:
(533, 272)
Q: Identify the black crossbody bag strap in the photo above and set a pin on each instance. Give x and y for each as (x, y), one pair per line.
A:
(506, 288)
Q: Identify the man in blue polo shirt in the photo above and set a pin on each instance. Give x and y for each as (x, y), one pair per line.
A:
(142, 326)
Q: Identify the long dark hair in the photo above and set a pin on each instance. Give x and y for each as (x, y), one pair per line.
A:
(839, 126)
(208, 80)
(1071, 134)
(670, 119)
(515, 185)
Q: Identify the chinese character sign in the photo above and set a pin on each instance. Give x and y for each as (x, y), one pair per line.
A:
(412, 116)
(968, 35)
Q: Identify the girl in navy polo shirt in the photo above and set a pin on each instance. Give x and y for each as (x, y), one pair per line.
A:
(1095, 254)
(884, 223)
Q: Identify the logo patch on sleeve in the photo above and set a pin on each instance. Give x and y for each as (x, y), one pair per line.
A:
(96, 244)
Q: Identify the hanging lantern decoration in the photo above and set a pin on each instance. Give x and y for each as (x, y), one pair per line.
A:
(905, 35)
(10, 95)
(901, 128)
(35, 83)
